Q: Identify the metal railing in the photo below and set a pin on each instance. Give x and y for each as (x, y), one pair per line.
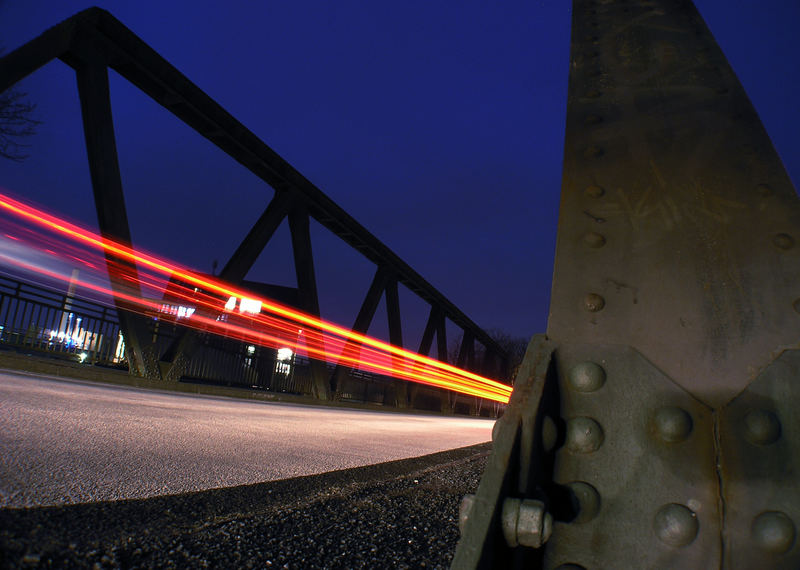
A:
(47, 322)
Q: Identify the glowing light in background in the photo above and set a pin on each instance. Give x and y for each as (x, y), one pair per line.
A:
(156, 287)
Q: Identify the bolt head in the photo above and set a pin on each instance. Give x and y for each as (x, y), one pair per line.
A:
(584, 435)
(594, 240)
(675, 525)
(773, 531)
(762, 427)
(783, 241)
(593, 302)
(594, 191)
(586, 377)
(586, 500)
(672, 424)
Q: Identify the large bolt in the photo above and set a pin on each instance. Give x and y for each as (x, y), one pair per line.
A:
(526, 522)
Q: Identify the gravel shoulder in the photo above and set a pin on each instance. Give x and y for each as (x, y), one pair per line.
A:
(400, 514)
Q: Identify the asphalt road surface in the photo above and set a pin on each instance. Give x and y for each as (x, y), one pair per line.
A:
(65, 442)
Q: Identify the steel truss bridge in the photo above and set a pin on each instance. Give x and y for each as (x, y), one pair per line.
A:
(93, 41)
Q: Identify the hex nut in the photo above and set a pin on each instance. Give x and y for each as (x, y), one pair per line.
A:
(525, 522)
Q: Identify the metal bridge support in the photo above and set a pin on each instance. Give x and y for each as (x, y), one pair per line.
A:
(361, 324)
(176, 358)
(101, 148)
(307, 288)
(656, 427)
(93, 41)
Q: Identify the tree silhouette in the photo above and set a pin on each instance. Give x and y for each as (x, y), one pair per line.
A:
(16, 124)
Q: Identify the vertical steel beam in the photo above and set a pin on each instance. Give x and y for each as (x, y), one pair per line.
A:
(307, 287)
(362, 322)
(101, 148)
(424, 349)
(177, 356)
(674, 292)
(396, 334)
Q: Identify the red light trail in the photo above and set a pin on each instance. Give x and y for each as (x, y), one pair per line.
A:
(258, 321)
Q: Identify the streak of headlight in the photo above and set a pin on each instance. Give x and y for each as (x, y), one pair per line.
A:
(361, 351)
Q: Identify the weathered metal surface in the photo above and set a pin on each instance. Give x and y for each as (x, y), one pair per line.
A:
(678, 222)
(675, 310)
(760, 469)
(507, 475)
(641, 451)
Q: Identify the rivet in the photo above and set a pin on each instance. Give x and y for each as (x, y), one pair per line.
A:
(594, 240)
(549, 434)
(570, 567)
(588, 501)
(764, 190)
(586, 377)
(592, 119)
(773, 531)
(762, 427)
(593, 302)
(672, 424)
(584, 435)
(593, 151)
(594, 191)
(675, 525)
(593, 94)
(783, 241)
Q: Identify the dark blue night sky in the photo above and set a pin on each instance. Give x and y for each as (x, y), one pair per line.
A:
(438, 125)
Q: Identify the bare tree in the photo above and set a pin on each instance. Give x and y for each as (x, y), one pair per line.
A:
(514, 346)
(16, 123)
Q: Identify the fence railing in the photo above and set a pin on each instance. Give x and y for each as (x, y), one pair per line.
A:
(37, 319)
